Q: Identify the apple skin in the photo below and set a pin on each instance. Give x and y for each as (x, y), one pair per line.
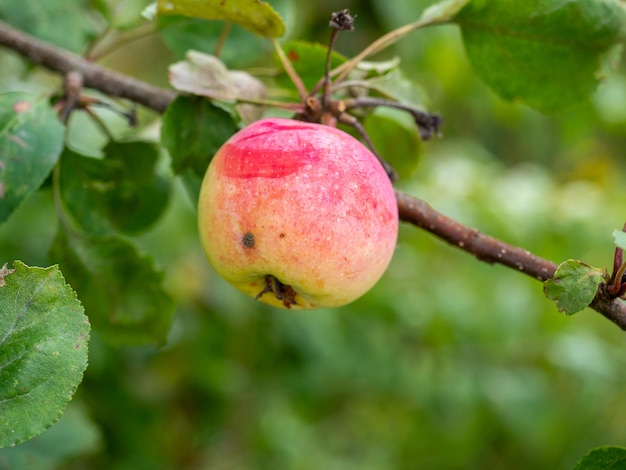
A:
(297, 215)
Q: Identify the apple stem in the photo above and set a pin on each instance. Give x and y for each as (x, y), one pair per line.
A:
(428, 124)
(293, 75)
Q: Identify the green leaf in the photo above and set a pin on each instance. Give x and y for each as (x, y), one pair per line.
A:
(85, 183)
(120, 192)
(121, 290)
(192, 184)
(35, 18)
(397, 86)
(573, 286)
(182, 34)
(256, 16)
(43, 350)
(139, 195)
(121, 18)
(442, 11)
(603, 458)
(193, 131)
(309, 61)
(543, 53)
(31, 139)
(620, 239)
(396, 138)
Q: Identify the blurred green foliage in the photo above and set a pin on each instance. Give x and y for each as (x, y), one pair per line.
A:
(447, 363)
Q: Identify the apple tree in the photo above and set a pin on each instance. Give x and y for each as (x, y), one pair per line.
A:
(501, 126)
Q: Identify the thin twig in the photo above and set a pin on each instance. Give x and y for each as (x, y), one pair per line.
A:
(427, 123)
(221, 41)
(485, 248)
(97, 52)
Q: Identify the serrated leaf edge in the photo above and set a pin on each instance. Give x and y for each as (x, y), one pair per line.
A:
(17, 265)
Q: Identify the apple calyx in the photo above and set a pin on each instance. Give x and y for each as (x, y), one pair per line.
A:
(281, 291)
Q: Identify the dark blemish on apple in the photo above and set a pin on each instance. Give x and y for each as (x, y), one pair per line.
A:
(248, 240)
(282, 235)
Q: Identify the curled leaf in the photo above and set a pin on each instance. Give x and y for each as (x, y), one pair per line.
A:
(205, 75)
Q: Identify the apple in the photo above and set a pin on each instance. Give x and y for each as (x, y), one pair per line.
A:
(297, 215)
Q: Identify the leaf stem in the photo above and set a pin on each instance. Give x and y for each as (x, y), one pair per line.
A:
(140, 32)
(381, 43)
(295, 107)
(222, 39)
(293, 75)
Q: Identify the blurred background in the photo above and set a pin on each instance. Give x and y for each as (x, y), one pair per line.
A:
(447, 363)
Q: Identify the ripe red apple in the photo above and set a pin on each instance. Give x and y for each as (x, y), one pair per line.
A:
(297, 215)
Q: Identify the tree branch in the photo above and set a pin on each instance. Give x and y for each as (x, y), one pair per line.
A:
(484, 247)
(94, 76)
(412, 210)
(491, 250)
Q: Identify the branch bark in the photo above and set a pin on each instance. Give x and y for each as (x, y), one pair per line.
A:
(94, 76)
(411, 210)
(491, 250)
